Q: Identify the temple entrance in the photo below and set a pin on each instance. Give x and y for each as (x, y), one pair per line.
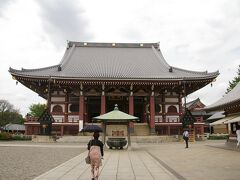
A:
(139, 108)
(121, 101)
(93, 107)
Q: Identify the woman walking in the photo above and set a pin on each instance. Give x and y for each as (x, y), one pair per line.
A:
(95, 148)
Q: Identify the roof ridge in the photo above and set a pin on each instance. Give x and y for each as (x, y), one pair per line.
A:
(160, 57)
(67, 56)
(113, 44)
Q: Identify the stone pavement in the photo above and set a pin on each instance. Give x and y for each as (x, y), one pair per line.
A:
(134, 164)
(203, 160)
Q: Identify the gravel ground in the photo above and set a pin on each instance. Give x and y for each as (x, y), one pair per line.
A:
(25, 163)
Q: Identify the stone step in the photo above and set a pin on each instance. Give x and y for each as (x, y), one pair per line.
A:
(136, 139)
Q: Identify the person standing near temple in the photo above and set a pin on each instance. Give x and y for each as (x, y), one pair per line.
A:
(186, 137)
(238, 136)
(95, 148)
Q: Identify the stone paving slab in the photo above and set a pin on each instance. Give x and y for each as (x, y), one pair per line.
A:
(117, 165)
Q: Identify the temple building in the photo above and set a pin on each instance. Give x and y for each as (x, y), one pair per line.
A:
(230, 104)
(92, 77)
(196, 107)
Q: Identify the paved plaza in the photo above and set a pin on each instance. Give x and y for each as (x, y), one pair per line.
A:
(163, 161)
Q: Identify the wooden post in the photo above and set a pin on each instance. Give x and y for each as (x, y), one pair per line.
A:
(66, 108)
(49, 96)
(152, 114)
(163, 108)
(131, 105)
(103, 100)
(81, 107)
(131, 111)
(62, 130)
(169, 130)
(103, 104)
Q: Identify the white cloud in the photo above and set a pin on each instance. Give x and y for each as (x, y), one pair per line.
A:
(63, 20)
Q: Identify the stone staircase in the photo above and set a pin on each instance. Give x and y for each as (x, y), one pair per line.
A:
(136, 139)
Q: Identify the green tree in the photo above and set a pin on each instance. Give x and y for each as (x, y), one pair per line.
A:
(9, 114)
(36, 110)
(235, 81)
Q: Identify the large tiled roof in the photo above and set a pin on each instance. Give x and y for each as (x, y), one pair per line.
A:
(228, 99)
(217, 115)
(113, 61)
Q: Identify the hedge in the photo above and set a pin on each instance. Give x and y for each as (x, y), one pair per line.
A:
(8, 137)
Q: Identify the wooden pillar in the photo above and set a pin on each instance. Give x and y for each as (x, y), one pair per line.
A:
(103, 103)
(152, 114)
(163, 108)
(168, 130)
(131, 105)
(66, 108)
(49, 96)
(131, 111)
(180, 106)
(81, 104)
(26, 130)
(62, 130)
(202, 129)
(81, 108)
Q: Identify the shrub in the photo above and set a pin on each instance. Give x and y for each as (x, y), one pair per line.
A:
(5, 136)
(21, 137)
(218, 137)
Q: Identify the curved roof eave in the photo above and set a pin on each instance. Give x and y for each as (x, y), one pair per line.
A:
(11, 70)
(221, 106)
(103, 78)
(197, 72)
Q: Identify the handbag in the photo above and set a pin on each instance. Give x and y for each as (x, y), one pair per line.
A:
(87, 160)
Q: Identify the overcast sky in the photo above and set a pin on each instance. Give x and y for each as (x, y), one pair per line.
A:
(193, 34)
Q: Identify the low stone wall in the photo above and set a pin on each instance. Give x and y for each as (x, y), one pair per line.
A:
(43, 139)
(155, 139)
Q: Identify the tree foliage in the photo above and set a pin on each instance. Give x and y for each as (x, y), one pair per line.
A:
(9, 114)
(36, 110)
(5, 106)
(235, 81)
